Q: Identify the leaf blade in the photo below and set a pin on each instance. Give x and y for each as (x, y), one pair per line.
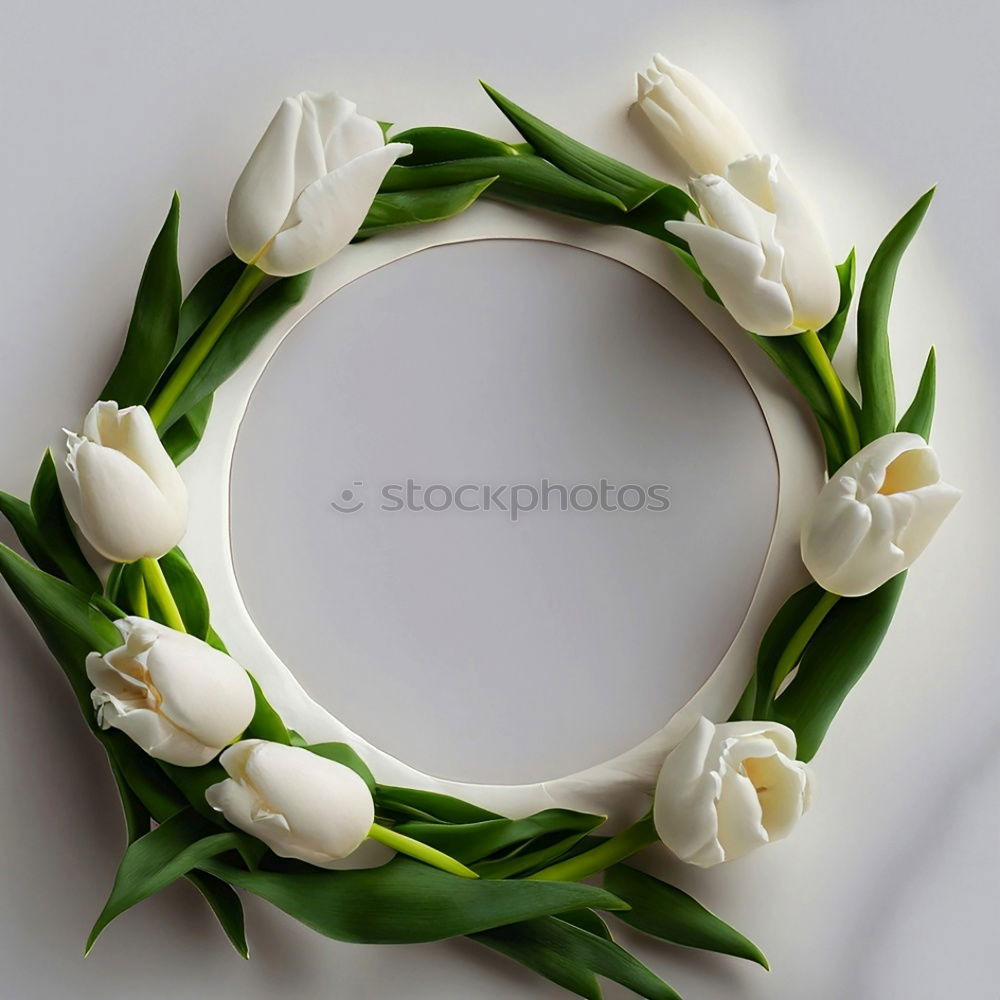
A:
(920, 414)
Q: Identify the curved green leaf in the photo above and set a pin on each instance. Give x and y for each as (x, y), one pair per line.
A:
(833, 662)
(664, 912)
(341, 753)
(54, 529)
(397, 209)
(878, 392)
(208, 294)
(920, 415)
(225, 905)
(238, 342)
(565, 953)
(628, 185)
(414, 803)
(472, 842)
(438, 145)
(159, 858)
(182, 438)
(830, 335)
(152, 331)
(22, 520)
(188, 592)
(405, 902)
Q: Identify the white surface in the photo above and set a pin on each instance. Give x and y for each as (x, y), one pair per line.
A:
(889, 887)
(501, 362)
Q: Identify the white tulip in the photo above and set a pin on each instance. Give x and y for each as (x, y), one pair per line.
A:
(309, 184)
(300, 804)
(762, 249)
(120, 486)
(175, 696)
(728, 789)
(876, 514)
(697, 126)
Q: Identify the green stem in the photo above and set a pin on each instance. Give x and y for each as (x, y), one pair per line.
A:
(798, 642)
(816, 353)
(196, 354)
(158, 587)
(422, 852)
(623, 845)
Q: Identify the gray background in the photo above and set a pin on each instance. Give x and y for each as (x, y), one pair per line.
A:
(890, 887)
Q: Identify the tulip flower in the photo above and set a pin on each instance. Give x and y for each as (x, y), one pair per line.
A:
(309, 184)
(120, 486)
(761, 248)
(876, 514)
(697, 126)
(175, 696)
(728, 789)
(300, 804)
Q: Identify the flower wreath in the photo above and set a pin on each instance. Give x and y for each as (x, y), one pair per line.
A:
(216, 789)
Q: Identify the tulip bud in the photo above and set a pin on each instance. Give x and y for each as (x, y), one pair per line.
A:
(120, 486)
(762, 249)
(309, 184)
(300, 804)
(697, 126)
(728, 789)
(175, 696)
(876, 514)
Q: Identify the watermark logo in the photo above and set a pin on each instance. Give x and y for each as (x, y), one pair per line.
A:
(512, 500)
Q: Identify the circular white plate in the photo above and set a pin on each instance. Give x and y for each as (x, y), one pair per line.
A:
(560, 642)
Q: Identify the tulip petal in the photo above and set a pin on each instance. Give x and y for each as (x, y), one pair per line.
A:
(735, 268)
(741, 827)
(808, 273)
(118, 507)
(329, 212)
(265, 191)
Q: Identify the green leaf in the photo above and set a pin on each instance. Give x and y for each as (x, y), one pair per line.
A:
(878, 394)
(137, 816)
(779, 633)
(472, 842)
(152, 331)
(833, 662)
(628, 185)
(266, 724)
(830, 335)
(159, 858)
(523, 179)
(394, 210)
(565, 954)
(22, 520)
(188, 593)
(238, 342)
(204, 299)
(341, 753)
(665, 912)
(413, 803)
(530, 858)
(587, 920)
(405, 901)
(920, 415)
(54, 527)
(438, 145)
(192, 782)
(225, 905)
(183, 437)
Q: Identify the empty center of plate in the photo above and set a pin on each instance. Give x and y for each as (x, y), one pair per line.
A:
(501, 507)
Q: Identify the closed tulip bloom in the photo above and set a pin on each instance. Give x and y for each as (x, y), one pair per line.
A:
(309, 184)
(876, 515)
(120, 486)
(300, 804)
(728, 789)
(762, 249)
(175, 696)
(696, 125)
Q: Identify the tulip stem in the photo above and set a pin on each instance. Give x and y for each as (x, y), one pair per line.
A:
(420, 851)
(797, 644)
(152, 573)
(137, 596)
(196, 354)
(617, 848)
(816, 353)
